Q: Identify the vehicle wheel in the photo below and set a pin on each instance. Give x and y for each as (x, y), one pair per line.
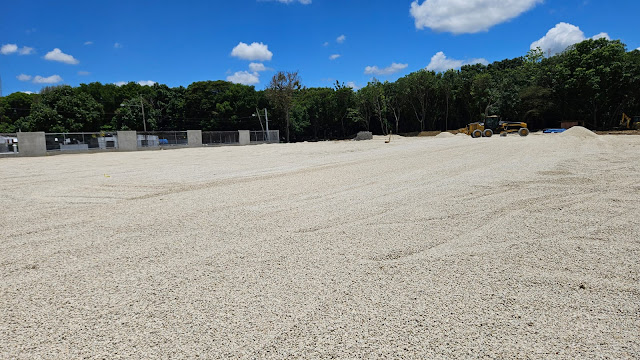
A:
(523, 132)
(476, 134)
(488, 133)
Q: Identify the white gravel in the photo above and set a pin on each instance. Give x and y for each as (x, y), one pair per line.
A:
(421, 248)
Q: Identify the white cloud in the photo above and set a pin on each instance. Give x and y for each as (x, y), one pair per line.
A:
(146, 82)
(393, 68)
(83, 73)
(258, 67)
(117, 45)
(561, 36)
(24, 77)
(255, 51)
(88, 42)
(467, 16)
(25, 50)
(602, 35)
(120, 83)
(334, 56)
(326, 43)
(440, 62)
(638, 49)
(8, 49)
(353, 85)
(244, 77)
(57, 55)
(27, 92)
(53, 79)
(341, 39)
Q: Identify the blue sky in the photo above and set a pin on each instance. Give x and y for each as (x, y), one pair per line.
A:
(179, 42)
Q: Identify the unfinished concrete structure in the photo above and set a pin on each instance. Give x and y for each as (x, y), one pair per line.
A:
(32, 143)
(127, 141)
(194, 138)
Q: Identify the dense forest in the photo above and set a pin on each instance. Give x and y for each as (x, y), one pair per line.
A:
(593, 82)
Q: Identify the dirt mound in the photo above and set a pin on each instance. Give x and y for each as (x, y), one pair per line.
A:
(461, 134)
(580, 133)
(445, 135)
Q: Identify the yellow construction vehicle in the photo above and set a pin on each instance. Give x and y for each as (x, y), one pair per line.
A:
(628, 123)
(493, 125)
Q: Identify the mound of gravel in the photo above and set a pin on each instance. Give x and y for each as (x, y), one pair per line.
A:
(580, 133)
(445, 135)
(461, 134)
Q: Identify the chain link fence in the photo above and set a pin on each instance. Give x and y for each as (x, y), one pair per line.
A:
(271, 136)
(162, 138)
(81, 141)
(8, 143)
(220, 137)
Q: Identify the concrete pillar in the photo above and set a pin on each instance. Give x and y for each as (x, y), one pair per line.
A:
(127, 141)
(32, 144)
(244, 137)
(194, 138)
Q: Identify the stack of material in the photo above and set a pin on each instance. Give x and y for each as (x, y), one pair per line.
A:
(364, 135)
(580, 133)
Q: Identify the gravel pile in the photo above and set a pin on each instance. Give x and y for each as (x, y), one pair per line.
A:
(445, 134)
(580, 133)
(412, 249)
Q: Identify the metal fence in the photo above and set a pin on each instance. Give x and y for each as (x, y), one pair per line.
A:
(82, 141)
(162, 138)
(220, 137)
(8, 143)
(272, 136)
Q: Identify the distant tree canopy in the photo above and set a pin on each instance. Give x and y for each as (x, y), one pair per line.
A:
(593, 82)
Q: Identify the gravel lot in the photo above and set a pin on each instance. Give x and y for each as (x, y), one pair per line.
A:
(421, 248)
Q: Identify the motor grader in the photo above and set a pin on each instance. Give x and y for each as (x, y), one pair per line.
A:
(493, 125)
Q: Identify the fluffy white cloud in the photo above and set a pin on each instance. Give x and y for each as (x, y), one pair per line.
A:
(341, 39)
(83, 73)
(638, 49)
(24, 77)
(440, 62)
(244, 77)
(117, 45)
(258, 67)
(25, 50)
(27, 92)
(334, 56)
(353, 85)
(7, 49)
(602, 35)
(253, 52)
(146, 82)
(88, 42)
(326, 43)
(561, 36)
(120, 83)
(53, 79)
(393, 68)
(467, 16)
(57, 55)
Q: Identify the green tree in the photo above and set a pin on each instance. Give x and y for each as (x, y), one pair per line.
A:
(281, 91)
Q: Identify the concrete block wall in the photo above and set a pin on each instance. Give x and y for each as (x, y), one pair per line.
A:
(127, 141)
(32, 144)
(194, 138)
(244, 137)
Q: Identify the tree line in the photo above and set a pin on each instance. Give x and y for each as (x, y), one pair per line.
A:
(592, 82)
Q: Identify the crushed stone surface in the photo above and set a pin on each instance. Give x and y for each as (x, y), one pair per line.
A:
(468, 248)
